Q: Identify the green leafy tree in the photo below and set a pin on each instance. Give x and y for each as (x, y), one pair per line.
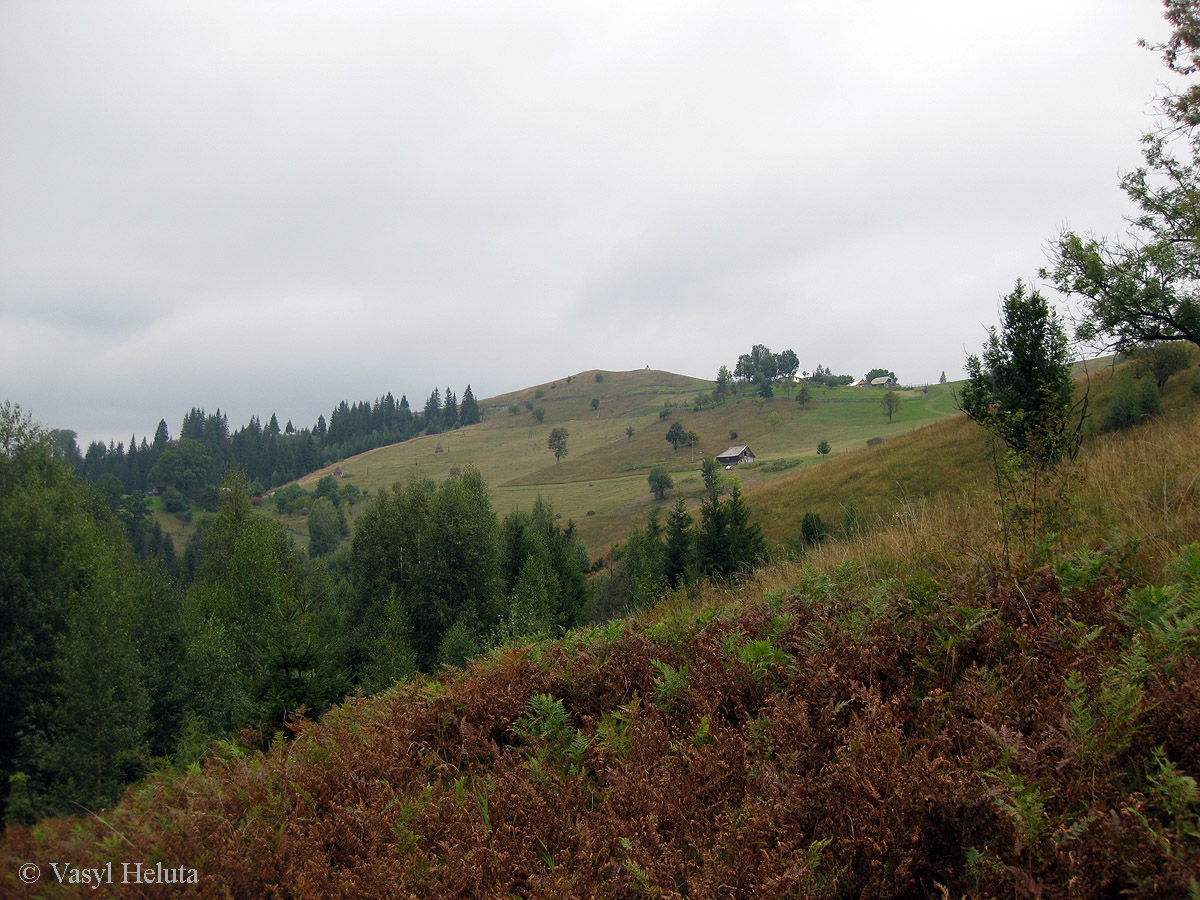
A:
(1146, 287)
(326, 527)
(557, 442)
(823, 448)
(1021, 388)
(629, 432)
(73, 698)
(759, 367)
(1021, 391)
(596, 406)
(183, 465)
(880, 373)
(804, 395)
(676, 436)
(786, 366)
(660, 481)
(437, 549)
(724, 385)
(890, 403)
(539, 414)
(1161, 360)
(773, 419)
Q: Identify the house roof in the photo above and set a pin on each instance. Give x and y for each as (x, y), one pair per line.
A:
(735, 452)
(882, 379)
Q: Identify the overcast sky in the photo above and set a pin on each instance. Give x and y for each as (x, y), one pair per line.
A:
(273, 206)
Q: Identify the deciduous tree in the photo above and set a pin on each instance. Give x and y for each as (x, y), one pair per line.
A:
(1021, 388)
(890, 402)
(660, 481)
(557, 442)
(676, 436)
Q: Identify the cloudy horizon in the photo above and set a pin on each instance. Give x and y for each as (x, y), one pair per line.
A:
(271, 207)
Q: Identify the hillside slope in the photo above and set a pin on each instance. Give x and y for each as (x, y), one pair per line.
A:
(899, 716)
(601, 483)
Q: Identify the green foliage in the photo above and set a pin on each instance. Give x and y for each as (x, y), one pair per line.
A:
(852, 521)
(761, 655)
(1021, 389)
(890, 403)
(764, 369)
(75, 704)
(670, 684)
(173, 500)
(539, 414)
(326, 527)
(1161, 360)
(676, 436)
(812, 529)
(1142, 291)
(824, 376)
(557, 442)
(660, 481)
(184, 465)
(823, 448)
(1132, 402)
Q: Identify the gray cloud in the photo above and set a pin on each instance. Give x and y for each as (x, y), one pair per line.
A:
(273, 206)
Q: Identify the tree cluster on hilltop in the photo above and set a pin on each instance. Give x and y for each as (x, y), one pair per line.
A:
(764, 370)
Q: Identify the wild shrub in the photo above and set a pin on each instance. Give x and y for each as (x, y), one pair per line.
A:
(812, 529)
(1131, 403)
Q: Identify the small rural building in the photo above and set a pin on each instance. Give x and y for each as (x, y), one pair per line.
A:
(736, 456)
(883, 381)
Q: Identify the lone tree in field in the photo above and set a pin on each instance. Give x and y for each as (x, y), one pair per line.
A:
(629, 432)
(1020, 389)
(773, 419)
(823, 448)
(557, 442)
(676, 436)
(890, 402)
(660, 481)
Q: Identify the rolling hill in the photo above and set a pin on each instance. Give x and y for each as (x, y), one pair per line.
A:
(601, 483)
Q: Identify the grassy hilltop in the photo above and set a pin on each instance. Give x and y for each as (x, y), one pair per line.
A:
(601, 483)
(898, 714)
